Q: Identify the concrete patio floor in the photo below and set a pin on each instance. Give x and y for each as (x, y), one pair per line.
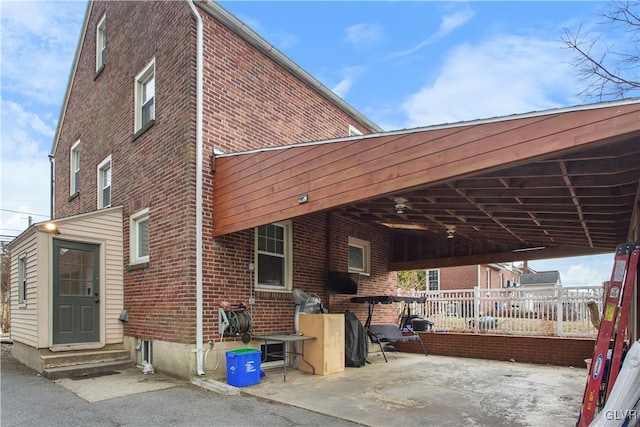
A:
(412, 390)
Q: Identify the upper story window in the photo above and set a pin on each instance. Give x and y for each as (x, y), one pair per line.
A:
(104, 183)
(74, 169)
(433, 280)
(274, 256)
(359, 256)
(22, 279)
(145, 95)
(101, 43)
(354, 131)
(139, 237)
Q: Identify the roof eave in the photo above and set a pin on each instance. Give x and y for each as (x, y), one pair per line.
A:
(72, 75)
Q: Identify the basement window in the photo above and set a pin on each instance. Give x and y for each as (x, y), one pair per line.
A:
(146, 351)
(273, 354)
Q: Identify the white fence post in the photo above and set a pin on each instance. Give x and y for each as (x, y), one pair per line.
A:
(559, 314)
(476, 309)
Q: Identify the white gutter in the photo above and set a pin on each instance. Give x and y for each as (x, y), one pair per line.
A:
(199, 157)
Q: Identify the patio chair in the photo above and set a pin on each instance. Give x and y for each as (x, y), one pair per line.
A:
(391, 334)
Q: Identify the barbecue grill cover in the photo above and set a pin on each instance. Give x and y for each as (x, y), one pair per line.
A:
(355, 345)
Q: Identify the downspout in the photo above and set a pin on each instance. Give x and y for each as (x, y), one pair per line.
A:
(199, 158)
(52, 161)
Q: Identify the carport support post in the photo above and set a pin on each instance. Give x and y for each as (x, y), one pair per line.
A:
(559, 314)
(476, 309)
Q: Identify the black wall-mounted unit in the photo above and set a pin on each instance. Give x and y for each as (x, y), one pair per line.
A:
(340, 282)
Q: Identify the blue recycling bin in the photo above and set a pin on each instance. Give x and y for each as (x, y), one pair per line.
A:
(243, 367)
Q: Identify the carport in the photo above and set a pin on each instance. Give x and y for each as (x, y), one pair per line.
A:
(547, 184)
(414, 390)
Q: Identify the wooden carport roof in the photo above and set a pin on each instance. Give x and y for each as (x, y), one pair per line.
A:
(563, 181)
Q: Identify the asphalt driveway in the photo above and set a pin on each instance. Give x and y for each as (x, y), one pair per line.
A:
(27, 399)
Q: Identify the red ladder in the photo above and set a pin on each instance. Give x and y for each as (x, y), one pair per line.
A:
(617, 304)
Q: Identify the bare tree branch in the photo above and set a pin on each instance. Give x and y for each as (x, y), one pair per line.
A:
(606, 70)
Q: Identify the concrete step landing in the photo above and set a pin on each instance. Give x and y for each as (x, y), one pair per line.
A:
(84, 363)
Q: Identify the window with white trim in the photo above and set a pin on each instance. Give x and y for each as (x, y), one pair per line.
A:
(359, 256)
(433, 280)
(101, 43)
(273, 256)
(139, 237)
(145, 95)
(104, 183)
(74, 169)
(353, 131)
(22, 279)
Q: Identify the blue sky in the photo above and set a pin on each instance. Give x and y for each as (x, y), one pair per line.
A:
(402, 64)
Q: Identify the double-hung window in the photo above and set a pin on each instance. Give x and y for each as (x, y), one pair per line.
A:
(274, 256)
(145, 96)
(74, 169)
(139, 237)
(104, 183)
(359, 256)
(433, 280)
(101, 43)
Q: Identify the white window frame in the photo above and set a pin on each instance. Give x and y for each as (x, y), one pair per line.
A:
(134, 221)
(141, 98)
(428, 279)
(104, 165)
(101, 43)
(365, 247)
(287, 254)
(22, 279)
(354, 131)
(74, 169)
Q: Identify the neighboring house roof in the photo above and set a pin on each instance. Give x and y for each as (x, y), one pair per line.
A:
(234, 24)
(540, 278)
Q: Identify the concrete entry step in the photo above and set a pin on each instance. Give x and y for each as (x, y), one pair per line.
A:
(71, 358)
(85, 370)
(83, 363)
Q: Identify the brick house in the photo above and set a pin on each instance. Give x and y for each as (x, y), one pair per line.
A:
(125, 153)
(484, 276)
(194, 164)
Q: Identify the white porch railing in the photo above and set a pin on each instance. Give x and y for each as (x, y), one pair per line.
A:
(547, 311)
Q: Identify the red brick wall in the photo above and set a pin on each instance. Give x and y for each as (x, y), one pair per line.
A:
(466, 277)
(156, 170)
(250, 102)
(463, 277)
(544, 350)
(227, 275)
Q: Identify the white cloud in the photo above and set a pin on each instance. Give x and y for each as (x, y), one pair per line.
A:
(363, 35)
(349, 79)
(453, 21)
(25, 172)
(582, 274)
(448, 24)
(504, 75)
(38, 42)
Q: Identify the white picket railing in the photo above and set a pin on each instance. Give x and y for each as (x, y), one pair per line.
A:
(549, 311)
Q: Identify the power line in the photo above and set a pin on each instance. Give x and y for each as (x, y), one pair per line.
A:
(25, 213)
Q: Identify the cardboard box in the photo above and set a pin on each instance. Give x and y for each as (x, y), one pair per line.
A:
(326, 352)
